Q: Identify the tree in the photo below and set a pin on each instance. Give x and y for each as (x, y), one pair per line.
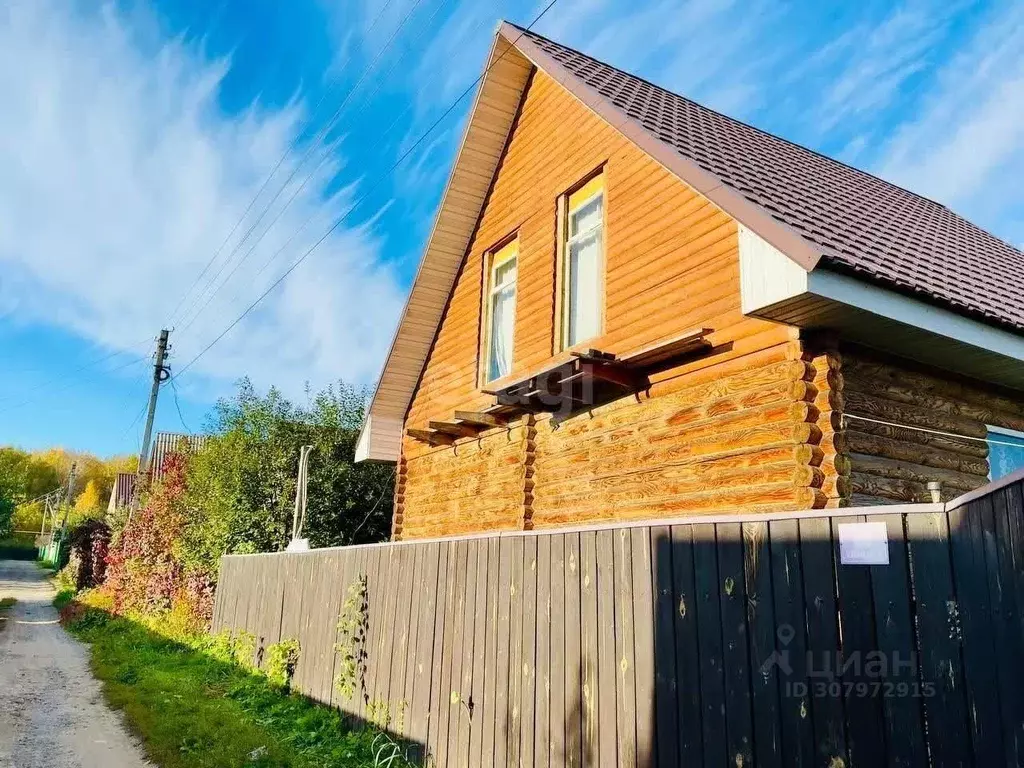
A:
(241, 484)
(89, 504)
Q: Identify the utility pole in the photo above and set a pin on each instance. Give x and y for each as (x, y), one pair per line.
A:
(160, 374)
(68, 494)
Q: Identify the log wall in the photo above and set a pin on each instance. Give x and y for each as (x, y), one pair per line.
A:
(893, 464)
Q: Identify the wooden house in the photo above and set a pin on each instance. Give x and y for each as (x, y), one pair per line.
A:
(631, 306)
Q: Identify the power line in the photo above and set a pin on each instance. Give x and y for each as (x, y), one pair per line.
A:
(363, 197)
(291, 148)
(177, 405)
(321, 135)
(70, 384)
(324, 155)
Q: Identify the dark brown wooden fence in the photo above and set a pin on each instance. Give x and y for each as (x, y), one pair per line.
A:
(728, 642)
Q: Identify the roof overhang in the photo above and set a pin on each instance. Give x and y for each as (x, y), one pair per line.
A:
(490, 122)
(774, 288)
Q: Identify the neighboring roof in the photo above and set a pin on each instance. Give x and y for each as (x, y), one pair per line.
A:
(123, 490)
(808, 206)
(166, 443)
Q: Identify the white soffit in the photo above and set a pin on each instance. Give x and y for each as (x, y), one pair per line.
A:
(773, 287)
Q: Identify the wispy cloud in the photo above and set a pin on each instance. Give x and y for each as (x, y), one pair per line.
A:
(122, 175)
(965, 146)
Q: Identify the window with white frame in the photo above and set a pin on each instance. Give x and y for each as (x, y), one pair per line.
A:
(1005, 452)
(500, 311)
(583, 264)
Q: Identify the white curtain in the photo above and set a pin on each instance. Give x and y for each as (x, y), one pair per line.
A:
(585, 233)
(503, 310)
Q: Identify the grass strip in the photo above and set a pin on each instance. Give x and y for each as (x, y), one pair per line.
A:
(193, 707)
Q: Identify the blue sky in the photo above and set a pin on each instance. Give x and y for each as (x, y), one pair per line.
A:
(133, 136)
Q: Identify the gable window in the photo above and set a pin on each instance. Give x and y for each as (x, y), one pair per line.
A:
(1005, 452)
(500, 309)
(583, 264)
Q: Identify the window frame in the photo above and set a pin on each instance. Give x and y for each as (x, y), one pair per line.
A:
(493, 258)
(564, 241)
(994, 430)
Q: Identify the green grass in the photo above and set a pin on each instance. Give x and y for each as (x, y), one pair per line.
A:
(193, 708)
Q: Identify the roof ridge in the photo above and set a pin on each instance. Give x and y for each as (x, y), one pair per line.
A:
(762, 131)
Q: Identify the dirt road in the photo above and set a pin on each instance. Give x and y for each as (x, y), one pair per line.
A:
(52, 714)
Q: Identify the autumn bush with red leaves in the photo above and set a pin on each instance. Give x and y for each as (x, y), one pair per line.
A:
(145, 573)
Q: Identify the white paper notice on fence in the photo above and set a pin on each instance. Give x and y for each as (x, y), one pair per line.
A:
(863, 544)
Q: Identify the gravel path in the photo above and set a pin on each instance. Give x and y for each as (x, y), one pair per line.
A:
(52, 713)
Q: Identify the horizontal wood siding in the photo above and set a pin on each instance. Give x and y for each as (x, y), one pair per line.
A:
(671, 264)
(893, 464)
(729, 641)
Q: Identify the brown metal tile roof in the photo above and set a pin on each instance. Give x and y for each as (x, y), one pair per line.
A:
(862, 224)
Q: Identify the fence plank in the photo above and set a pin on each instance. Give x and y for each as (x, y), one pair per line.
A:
(388, 637)
(490, 716)
(709, 627)
(760, 605)
(528, 666)
(458, 716)
(588, 647)
(791, 641)
(374, 605)
(643, 638)
(411, 645)
(502, 700)
(938, 636)
(323, 623)
(542, 729)
(398, 693)
(903, 715)
(864, 721)
(607, 669)
(969, 570)
(425, 641)
(482, 632)
(575, 704)
(456, 569)
(1011, 553)
(1008, 641)
(438, 704)
(689, 655)
(822, 640)
(735, 651)
(333, 596)
(306, 669)
(625, 680)
(559, 618)
(665, 681)
(460, 755)
(515, 655)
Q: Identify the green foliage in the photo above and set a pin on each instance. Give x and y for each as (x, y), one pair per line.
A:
(352, 626)
(241, 484)
(18, 547)
(7, 602)
(282, 658)
(194, 708)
